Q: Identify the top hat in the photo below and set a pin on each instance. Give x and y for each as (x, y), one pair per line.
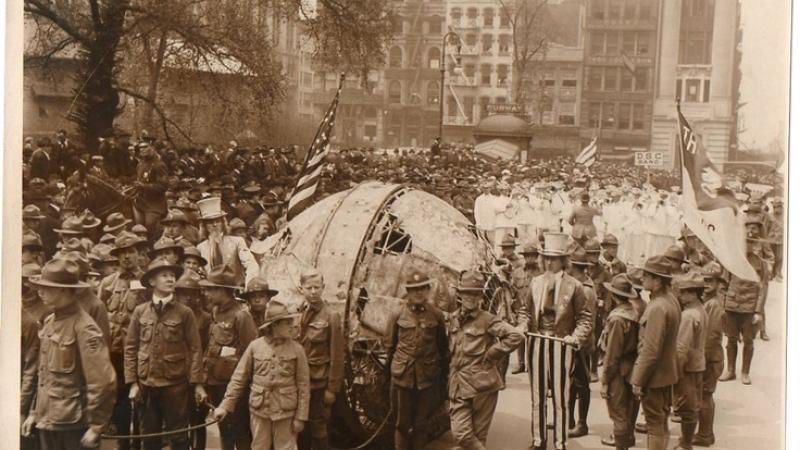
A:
(211, 208)
(274, 312)
(158, 265)
(417, 279)
(658, 265)
(471, 281)
(114, 222)
(61, 273)
(259, 284)
(621, 285)
(555, 244)
(221, 276)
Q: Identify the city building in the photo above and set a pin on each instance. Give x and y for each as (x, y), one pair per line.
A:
(619, 65)
(697, 64)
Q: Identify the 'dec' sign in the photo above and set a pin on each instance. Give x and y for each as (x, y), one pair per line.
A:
(650, 159)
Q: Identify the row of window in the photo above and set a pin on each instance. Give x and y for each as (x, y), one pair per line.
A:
(622, 9)
(615, 79)
(620, 116)
(431, 96)
(418, 25)
(612, 43)
(471, 19)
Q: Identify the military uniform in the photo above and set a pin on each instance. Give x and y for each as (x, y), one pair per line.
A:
(150, 204)
(580, 394)
(29, 365)
(714, 365)
(418, 355)
(322, 338)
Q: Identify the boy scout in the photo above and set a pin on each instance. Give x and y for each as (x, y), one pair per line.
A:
(656, 367)
(76, 382)
(321, 337)
(275, 371)
(418, 355)
(618, 343)
(478, 341)
(691, 354)
(258, 295)
(163, 358)
(231, 332)
(714, 354)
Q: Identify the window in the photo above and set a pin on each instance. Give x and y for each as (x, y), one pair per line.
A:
(679, 89)
(469, 70)
(614, 9)
(642, 76)
(502, 74)
(565, 119)
(432, 93)
(624, 117)
(435, 25)
(472, 13)
(566, 114)
(630, 10)
(594, 114)
(397, 25)
(452, 107)
(626, 81)
(486, 74)
(595, 79)
(611, 75)
(469, 104)
(488, 17)
(434, 54)
(370, 131)
(643, 43)
(486, 43)
(484, 102)
(598, 9)
(569, 83)
(307, 79)
(395, 92)
(503, 20)
(706, 90)
(628, 42)
(609, 115)
(596, 43)
(395, 57)
(504, 43)
(455, 16)
(645, 10)
(471, 40)
(612, 43)
(548, 82)
(692, 90)
(370, 112)
(638, 116)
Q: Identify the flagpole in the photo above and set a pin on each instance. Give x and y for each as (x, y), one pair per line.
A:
(680, 143)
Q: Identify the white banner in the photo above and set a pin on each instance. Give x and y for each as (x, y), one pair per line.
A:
(649, 159)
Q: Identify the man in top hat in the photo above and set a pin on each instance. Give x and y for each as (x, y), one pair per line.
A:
(231, 332)
(220, 248)
(557, 307)
(275, 372)
(177, 228)
(744, 308)
(150, 203)
(163, 358)
(609, 258)
(418, 357)
(691, 354)
(322, 337)
(76, 383)
(618, 344)
(582, 220)
(656, 367)
(479, 341)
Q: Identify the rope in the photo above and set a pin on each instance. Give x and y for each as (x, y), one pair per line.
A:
(162, 433)
(378, 431)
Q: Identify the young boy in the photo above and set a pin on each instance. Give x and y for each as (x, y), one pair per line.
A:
(274, 369)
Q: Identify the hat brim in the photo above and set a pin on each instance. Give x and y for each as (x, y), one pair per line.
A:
(38, 281)
(552, 254)
(658, 274)
(213, 216)
(211, 284)
(272, 320)
(581, 263)
(108, 229)
(419, 285)
(96, 223)
(152, 253)
(177, 270)
(610, 288)
(33, 217)
(203, 261)
(63, 231)
(270, 292)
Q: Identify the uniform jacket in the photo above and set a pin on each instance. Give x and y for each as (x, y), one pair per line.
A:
(573, 315)
(715, 329)
(619, 343)
(120, 301)
(582, 222)
(277, 375)
(600, 275)
(322, 338)
(417, 346)
(77, 384)
(30, 361)
(235, 253)
(96, 309)
(163, 349)
(745, 296)
(231, 331)
(692, 339)
(152, 174)
(477, 344)
(34, 305)
(657, 364)
(591, 304)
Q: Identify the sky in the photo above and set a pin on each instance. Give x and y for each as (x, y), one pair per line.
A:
(765, 70)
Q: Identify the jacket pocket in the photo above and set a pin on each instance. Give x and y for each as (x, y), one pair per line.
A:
(62, 354)
(399, 365)
(173, 331)
(256, 396)
(484, 379)
(64, 406)
(222, 333)
(317, 331)
(287, 365)
(143, 366)
(474, 342)
(174, 366)
(287, 398)
(145, 330)
(261, 366)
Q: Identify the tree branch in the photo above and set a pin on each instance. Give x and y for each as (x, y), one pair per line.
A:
(41, 9)
(163, 115)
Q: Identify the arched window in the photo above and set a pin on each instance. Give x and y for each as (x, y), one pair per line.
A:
(434, 54)
(395, 93)
(433, 93)
(395, 57)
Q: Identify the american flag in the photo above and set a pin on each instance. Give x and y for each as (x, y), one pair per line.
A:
(307, 181)
(588, 155)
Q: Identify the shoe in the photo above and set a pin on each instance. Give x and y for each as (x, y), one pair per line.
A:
(702, 441)
(641, 427)
(728, 376)
(609, 441)
(764, 336)
(538, 447)
(520, 369)
(746, 379)
(578, 430)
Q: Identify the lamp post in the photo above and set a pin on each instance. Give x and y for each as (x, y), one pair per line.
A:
(450, 34)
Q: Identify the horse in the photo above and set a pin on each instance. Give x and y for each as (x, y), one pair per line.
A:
(98, 196)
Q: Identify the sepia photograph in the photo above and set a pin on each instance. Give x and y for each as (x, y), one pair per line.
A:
(395, 224)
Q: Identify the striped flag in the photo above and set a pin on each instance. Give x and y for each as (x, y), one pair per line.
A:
(628, 63)
(588, 155)
(308, 179)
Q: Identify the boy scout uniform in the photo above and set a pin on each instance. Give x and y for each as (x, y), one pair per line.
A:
(322, 338)
(714, 362)
(478, 342)
(276, 373)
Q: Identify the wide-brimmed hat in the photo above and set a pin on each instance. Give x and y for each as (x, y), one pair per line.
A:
(32, 212)
(165, 243)
(237, 224)
(251, 188)
(508, 241)
(579, 258)
(471, 281)
(193, 252)
(621, 285)
(555, 244)
(531, 248)
(189, 280)
(61, 273)
(158, 265)
(139, 229)
(108, 238)
(416, 279)
(174, 216)
(676, 253)
(185, 203)
(713, 271)
(115, 222)
(221, 276)
(658, 265)
(89, 220)
(31, 240)
(690, 280)
(634, 275)
(592, 245)
(125, 240)
(274, 312)
(609, 239)
(259, 284)
(271, 199)
(211, 208)
(30, 269)
(72, 225)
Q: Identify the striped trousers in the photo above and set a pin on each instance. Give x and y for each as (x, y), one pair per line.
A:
(550, 363)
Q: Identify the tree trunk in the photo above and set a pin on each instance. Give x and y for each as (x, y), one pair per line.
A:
(154, 78)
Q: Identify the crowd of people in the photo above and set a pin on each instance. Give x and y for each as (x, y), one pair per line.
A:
(159, 311)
